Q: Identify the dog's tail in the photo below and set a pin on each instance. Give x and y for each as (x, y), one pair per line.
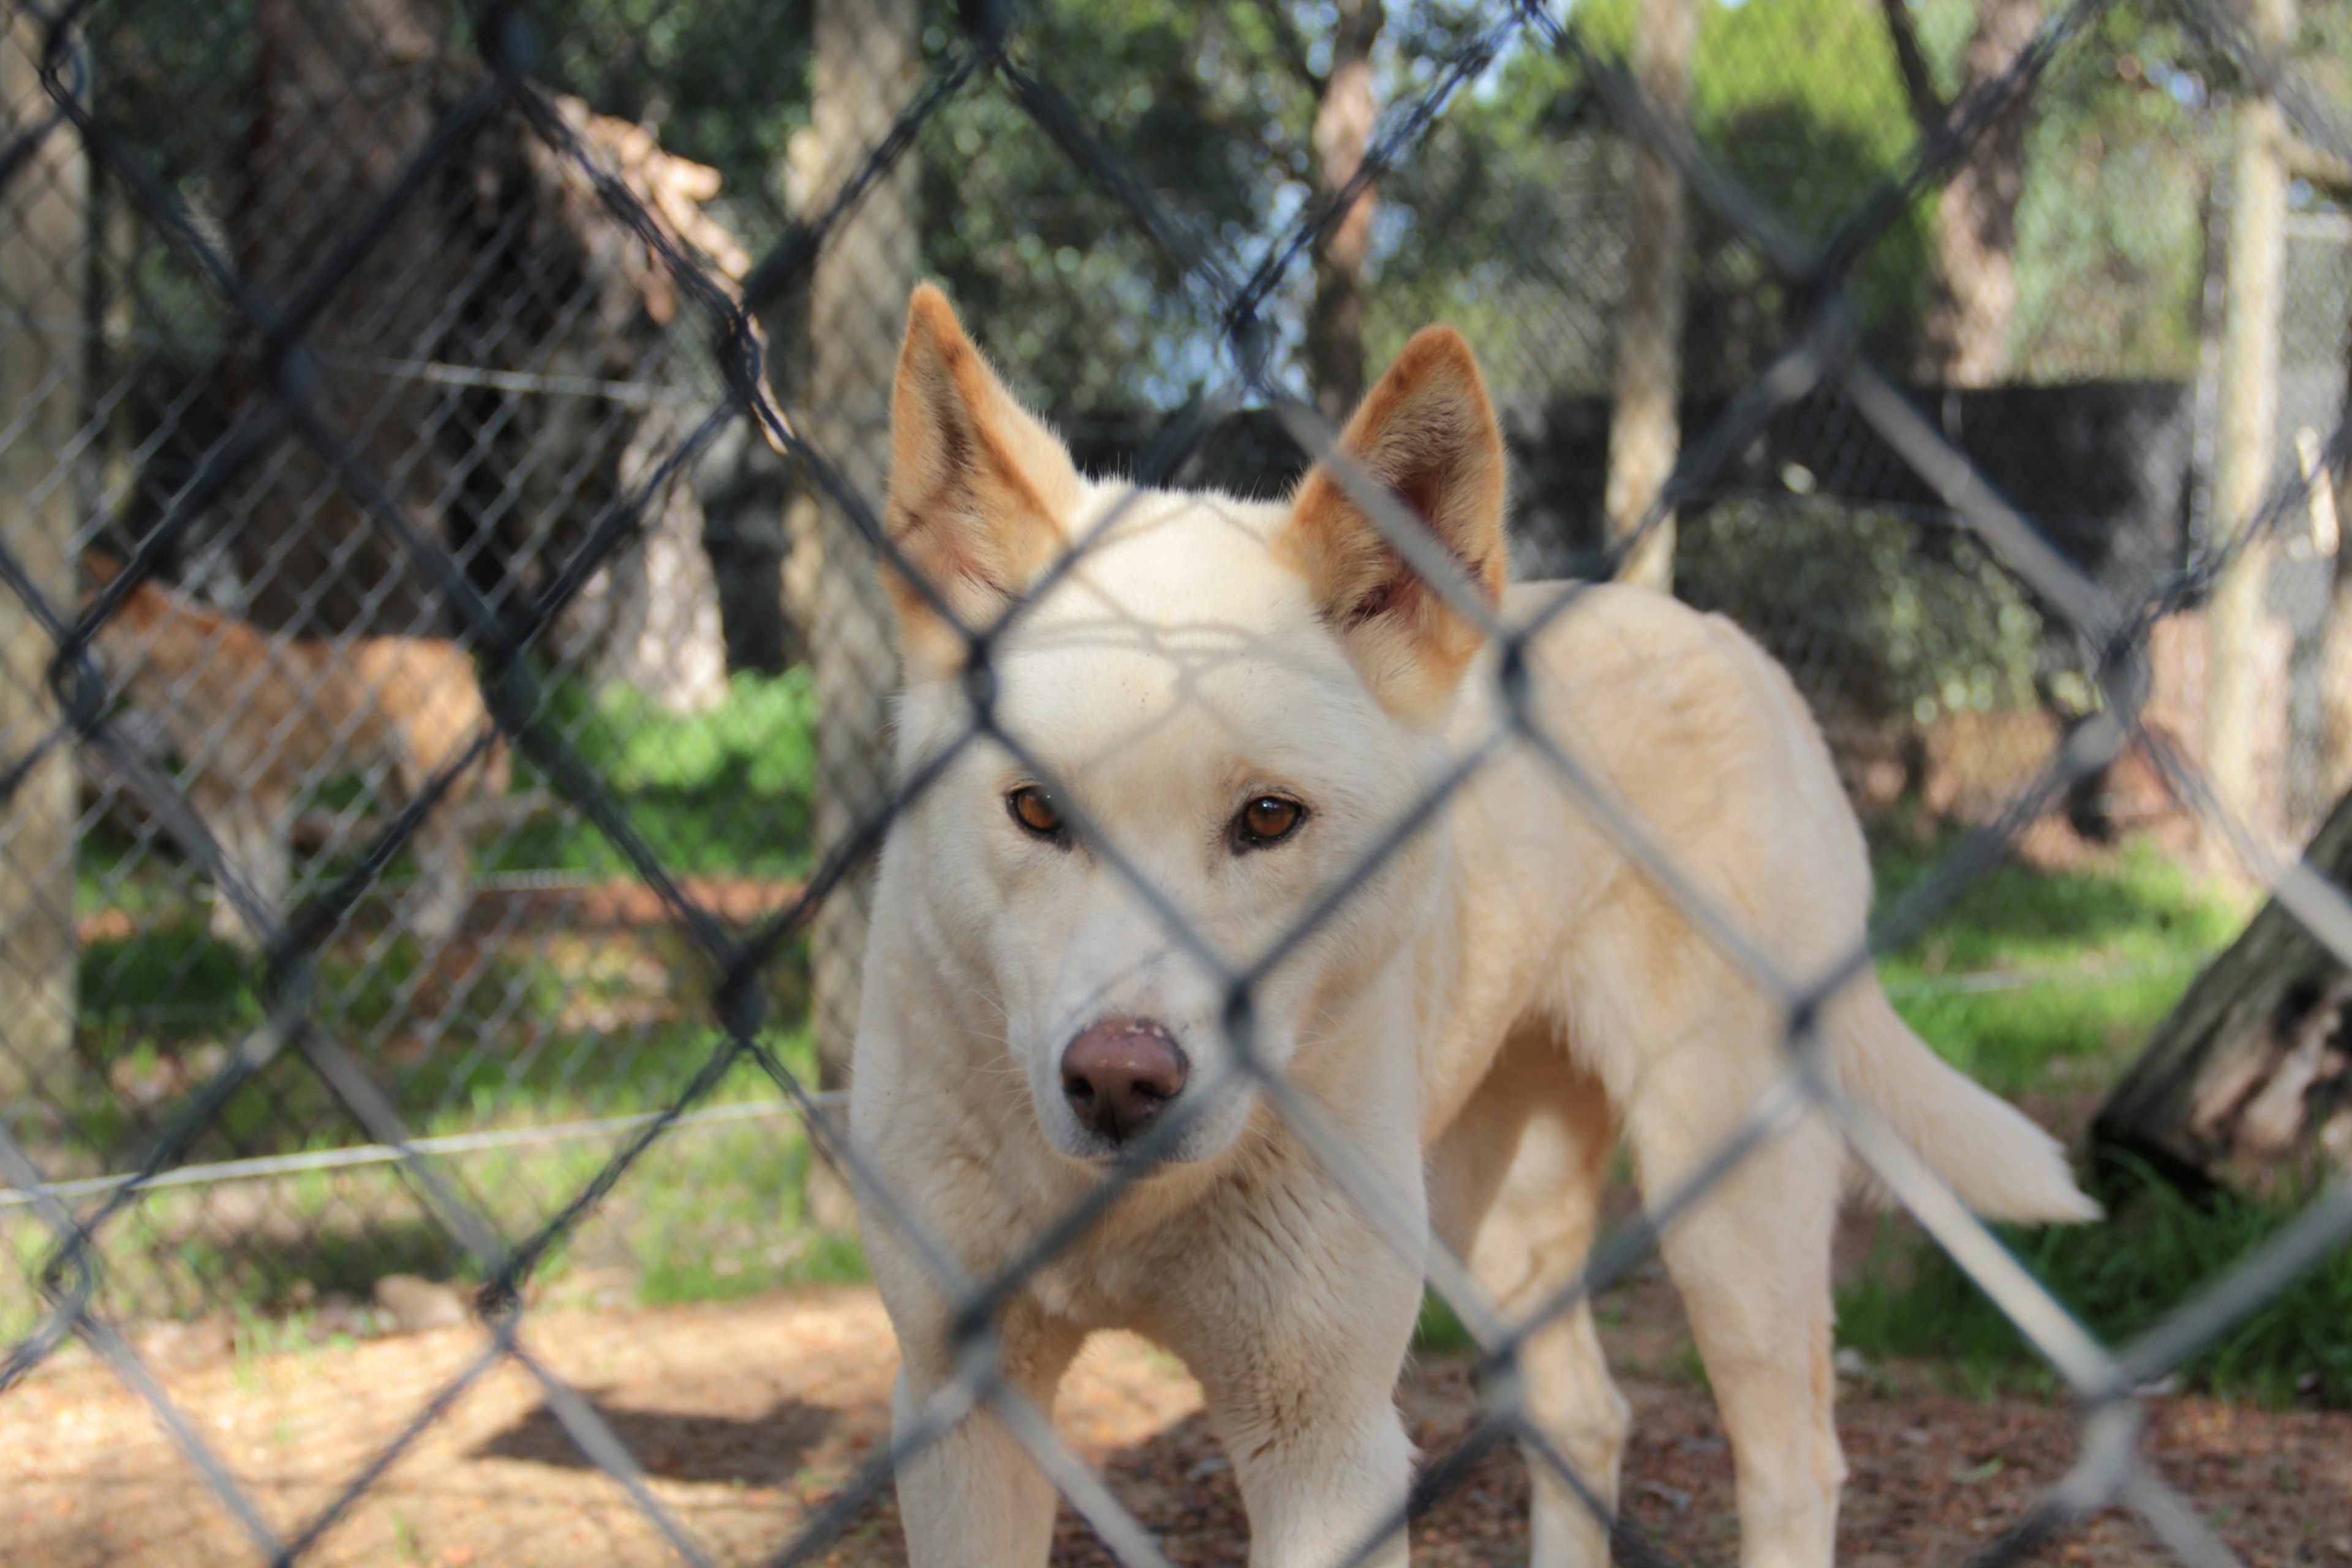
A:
(2001, 1164)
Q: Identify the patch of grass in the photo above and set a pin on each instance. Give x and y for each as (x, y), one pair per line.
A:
(725, 793)
(1439, 1331)
(2089, 960)
(2120, 1277)
(560, 1025)
(712, 1210)
(722, 1212)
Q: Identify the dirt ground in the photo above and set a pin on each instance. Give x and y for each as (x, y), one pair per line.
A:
(748, 1416)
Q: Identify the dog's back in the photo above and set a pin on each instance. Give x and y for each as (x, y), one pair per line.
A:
(267, 715)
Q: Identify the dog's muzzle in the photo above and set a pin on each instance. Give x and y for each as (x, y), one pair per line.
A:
(1119, 1074)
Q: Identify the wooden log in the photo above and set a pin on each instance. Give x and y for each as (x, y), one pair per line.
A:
(2252, 1069)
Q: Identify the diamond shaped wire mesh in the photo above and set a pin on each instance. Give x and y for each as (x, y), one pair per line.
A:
(439, 387)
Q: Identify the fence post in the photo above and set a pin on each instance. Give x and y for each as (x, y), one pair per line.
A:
(868, 59)
(44, 238)
(1645, 426)
(2235, 699)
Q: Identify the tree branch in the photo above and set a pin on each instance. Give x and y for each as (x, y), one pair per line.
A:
(1928, 107)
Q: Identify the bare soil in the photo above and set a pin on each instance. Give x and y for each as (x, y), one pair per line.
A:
(748, 1418)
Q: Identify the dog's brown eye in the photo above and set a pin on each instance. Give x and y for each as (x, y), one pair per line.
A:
(1033, 808)
(1268, 819)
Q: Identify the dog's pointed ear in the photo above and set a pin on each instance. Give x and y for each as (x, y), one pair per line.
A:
(1428, 433)
(980, 492)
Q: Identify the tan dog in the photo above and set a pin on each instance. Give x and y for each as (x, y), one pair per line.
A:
(1241, 702)
(258, 719)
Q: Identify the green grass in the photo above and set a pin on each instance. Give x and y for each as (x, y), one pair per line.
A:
(2110, 948)
(710, 1211)
(519, 1034)
(725, 793)
(561, 1026)
(1439, 1331)
(2120, 1277)
(2100, 954)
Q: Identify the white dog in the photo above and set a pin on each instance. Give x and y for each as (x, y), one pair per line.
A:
(1237, 704)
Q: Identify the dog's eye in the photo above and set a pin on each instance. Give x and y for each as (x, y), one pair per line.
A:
(1268, 819)
(1034, 809)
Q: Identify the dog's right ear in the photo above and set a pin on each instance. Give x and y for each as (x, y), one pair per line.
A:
(981, 493)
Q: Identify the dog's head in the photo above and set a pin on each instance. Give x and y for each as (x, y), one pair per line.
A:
(1209, 724)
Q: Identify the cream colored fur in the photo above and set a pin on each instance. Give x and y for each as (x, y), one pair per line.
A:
(1486, 1016)
(258, 719)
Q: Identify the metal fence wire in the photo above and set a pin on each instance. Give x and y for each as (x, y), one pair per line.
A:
(464, 378)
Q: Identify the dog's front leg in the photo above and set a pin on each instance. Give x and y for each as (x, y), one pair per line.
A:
(973, 1498)
(1327, 1488)
(1300, 1368)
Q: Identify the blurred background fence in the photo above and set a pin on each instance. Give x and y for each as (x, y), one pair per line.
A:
(2129, 305)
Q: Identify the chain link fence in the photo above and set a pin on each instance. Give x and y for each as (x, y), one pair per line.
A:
(448, 667)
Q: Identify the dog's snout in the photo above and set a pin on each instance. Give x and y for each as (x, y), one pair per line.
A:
(1119, 1073)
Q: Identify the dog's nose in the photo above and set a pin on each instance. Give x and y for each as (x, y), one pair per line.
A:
(1117, 1074)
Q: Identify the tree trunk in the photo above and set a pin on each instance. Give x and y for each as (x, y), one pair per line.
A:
(2238, 701)
(665, 638)
(1344, 117)
(2251, 1067)
(572, 304)
(1975, 216)
(44, 247)
(346, 96)
(1644, 428)
(867, 65)
(1966, 341)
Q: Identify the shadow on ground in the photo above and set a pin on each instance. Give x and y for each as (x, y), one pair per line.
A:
(765, 1450)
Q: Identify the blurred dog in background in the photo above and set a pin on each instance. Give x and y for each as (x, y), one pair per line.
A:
(257, 720)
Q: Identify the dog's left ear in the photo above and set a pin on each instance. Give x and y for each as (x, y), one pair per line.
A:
(1428, 433)
(980, 492)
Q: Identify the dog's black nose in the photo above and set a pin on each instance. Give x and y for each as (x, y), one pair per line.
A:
(1117, 1074)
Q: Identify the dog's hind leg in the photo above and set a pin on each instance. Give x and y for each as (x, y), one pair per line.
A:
(1751, 1260)
(443, 873)
(1515, 1189)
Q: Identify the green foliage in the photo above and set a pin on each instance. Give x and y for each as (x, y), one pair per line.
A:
(2111, 226)
(727, 83)
(1878, 613)
(1800, 99)
(1084, 309)
(1508, 224)
(2120, 1277)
